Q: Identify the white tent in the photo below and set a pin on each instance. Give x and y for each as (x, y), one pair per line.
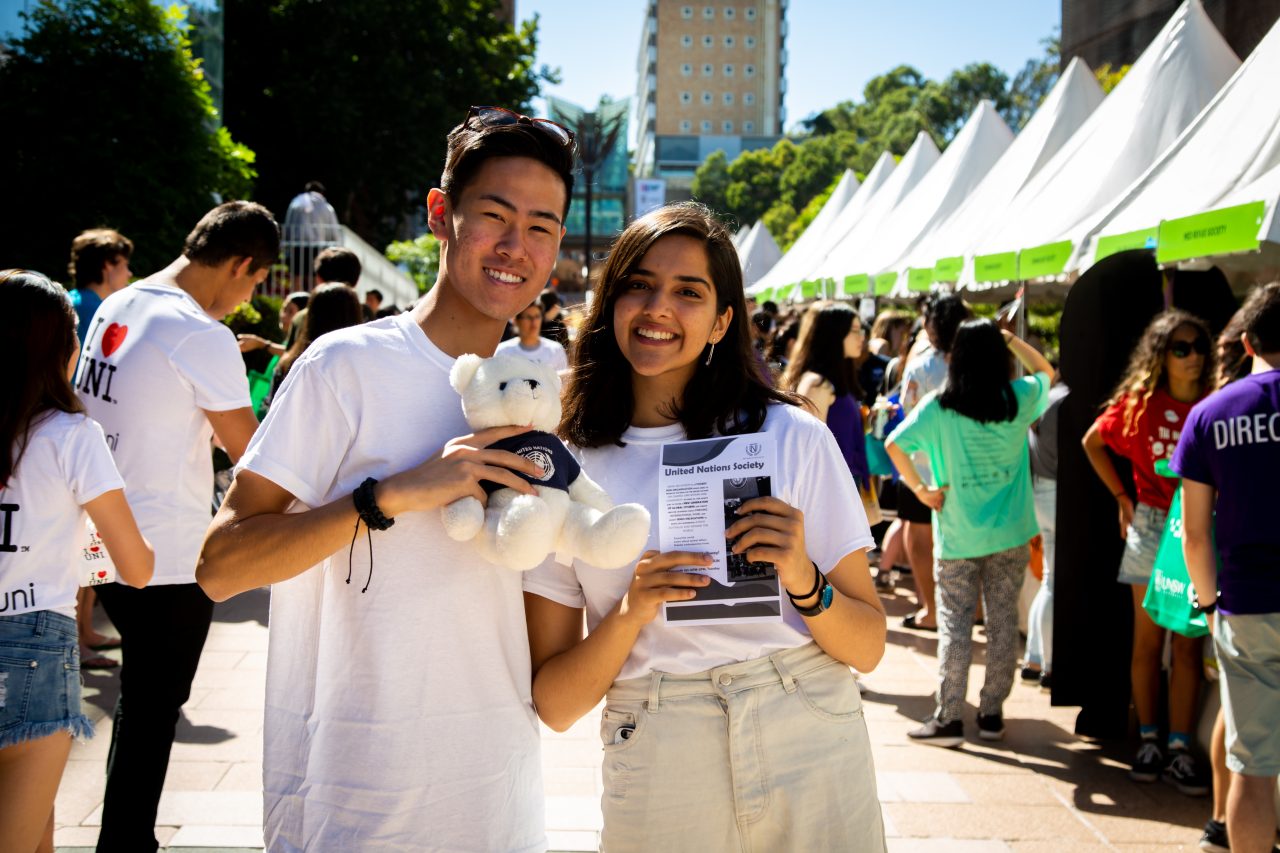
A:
(741, 235)
(812, 236)
(884, 169)
(1073, 98)
(1229, 156)
(838, 256)
(758, 253)
(1176, 76)
(971, 154)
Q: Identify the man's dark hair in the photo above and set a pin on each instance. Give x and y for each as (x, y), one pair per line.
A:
(338, 264)
(771, 307)
(763, 321)
(944, 312)
(314, 187)
(91, 249)
(236, 229)
(1261, 318)
(548, 298)
(472, 143)
(375, 293)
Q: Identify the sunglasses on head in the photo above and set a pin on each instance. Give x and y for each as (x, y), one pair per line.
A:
(1182, 349)
(499, 116)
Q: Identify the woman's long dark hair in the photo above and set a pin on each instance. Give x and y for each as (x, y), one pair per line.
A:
(820, 349)
(37, 339)
(726, 397)
(978, 374)
(332, 307)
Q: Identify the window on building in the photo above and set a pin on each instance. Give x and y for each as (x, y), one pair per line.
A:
(686, 126)
(728, 99)
(748, 127)
(686, 70)
(749, 13)
(687, 13)
(748, 71)
(728, 41)
(708, 70)
(686, 97)
(749, 42)
(728, 70)
(726, 126)
(706, 98)
(748, 98)
(709, 13)
(686, 41)
(729, 12)
(708, 41)
(706, 126)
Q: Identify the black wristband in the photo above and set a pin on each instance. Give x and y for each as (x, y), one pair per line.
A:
(817, 585)
(367, 506)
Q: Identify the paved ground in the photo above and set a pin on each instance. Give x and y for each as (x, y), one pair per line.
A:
(1040, 790)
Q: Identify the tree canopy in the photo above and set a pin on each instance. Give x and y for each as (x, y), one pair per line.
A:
(361, 96)
(109, 123)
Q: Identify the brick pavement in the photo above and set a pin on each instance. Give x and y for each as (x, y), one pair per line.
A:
(1040, 790)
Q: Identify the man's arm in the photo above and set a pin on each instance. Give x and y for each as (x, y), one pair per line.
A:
(1197, 539)
(233, 428)
(254, 542)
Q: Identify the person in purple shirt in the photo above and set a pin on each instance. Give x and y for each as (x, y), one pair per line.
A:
(1229, 456)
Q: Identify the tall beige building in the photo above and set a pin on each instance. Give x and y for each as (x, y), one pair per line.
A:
(710, 77)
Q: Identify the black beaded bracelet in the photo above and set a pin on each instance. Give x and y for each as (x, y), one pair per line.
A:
(367, 506)
(817, 585)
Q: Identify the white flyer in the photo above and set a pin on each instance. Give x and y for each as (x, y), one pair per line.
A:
(700, 487)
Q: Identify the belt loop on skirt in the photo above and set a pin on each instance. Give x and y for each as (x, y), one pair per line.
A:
(788, 682)
(655, 682)
(42, 623)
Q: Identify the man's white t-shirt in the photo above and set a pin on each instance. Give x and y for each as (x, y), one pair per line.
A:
(400, 718)
(811, 476)
(65, 465)
(153, 364)
(546, 352)
(923, 374)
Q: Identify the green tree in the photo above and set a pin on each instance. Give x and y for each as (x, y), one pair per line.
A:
(711, 181)
(1030, 85)
(806, 216)
(361, 96)
(110, 123)
(1108, 78)
(420, 257)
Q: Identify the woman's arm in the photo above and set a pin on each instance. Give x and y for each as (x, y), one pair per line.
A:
(572, 674)
(927, 495)
(1096, 449)
(250, 342)
(819, 392)
(134, 558)
(852, 629)
(1030, 357)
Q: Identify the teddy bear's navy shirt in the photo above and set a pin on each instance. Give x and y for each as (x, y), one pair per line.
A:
(545, 449)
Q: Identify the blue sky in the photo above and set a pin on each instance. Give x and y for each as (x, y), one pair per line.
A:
(834, 46)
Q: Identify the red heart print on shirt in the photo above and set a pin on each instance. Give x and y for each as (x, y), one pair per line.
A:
(102, 574)
(113, 337)
(93, 549)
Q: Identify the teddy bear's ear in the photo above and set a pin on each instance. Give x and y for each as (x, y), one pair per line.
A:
(464, 370)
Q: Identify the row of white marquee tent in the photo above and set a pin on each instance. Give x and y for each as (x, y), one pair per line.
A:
(1182, 158)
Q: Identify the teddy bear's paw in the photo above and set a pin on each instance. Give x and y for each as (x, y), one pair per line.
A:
(618, 536)
(463, 519)
(524, 533)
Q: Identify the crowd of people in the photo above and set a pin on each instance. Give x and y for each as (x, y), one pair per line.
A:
(402, 710)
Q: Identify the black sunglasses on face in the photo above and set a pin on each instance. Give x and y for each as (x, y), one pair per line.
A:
(499, 116)
(1182, 349)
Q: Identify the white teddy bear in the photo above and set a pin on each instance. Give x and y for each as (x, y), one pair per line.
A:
(571, 515)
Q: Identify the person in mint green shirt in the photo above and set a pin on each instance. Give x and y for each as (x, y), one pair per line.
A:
(973, 431)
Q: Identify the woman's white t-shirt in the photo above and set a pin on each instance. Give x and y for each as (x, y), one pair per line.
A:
(65, 465)
(811, 476)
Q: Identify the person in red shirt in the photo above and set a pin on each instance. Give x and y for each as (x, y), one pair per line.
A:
(1170, 369)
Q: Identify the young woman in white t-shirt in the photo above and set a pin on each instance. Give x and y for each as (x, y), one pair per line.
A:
(55, 466)
(716, 736)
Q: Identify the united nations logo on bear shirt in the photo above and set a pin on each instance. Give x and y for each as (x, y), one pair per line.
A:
(543, 458)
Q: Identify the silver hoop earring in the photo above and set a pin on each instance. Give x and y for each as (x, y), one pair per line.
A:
(710, 353)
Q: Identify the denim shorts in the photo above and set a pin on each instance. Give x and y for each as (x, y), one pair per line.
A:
(1141, 542)
(1248, 650)
(39, 678)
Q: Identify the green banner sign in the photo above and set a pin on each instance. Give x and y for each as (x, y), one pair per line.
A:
(1002, 266)
(948, 269)
(1116, 243)
(885, 282)
(809, 289)
(856, 284)
(919, 279)
(1040, 261)
(1214, 232)
(784, 292)
(765, 295)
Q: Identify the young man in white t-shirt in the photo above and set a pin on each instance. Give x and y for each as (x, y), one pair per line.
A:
(162, 376)
(530, 343)
(399, 713)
